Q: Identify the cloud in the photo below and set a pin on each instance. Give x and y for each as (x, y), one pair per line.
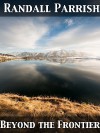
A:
(79, 39)
(21, 33)
(43, 34)
(69, 22)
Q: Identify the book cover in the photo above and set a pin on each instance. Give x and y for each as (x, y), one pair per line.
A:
(50, 66)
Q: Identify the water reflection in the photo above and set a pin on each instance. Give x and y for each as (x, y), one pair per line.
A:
(79, 81)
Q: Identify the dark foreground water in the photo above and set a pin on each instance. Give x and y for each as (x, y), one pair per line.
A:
(78, 80)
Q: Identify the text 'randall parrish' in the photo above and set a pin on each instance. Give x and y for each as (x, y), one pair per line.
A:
(58, 8)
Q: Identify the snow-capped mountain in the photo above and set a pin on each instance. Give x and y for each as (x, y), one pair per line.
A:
(64, 53)
(53, 54)
(25, 54)
(60, 53)
(31, 54)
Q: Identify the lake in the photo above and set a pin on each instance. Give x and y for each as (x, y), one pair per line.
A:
(76, 79)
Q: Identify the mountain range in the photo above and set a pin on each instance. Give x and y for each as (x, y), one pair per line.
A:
(60, 56)
(53, 54)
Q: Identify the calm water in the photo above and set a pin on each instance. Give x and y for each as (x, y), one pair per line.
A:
(78, 80)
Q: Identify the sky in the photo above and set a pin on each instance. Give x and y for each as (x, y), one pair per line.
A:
(42, 34)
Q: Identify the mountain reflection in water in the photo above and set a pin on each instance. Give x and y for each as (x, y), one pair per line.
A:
(77, 80)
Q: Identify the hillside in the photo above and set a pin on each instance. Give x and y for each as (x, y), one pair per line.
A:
(12, 104)
(5, 57)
